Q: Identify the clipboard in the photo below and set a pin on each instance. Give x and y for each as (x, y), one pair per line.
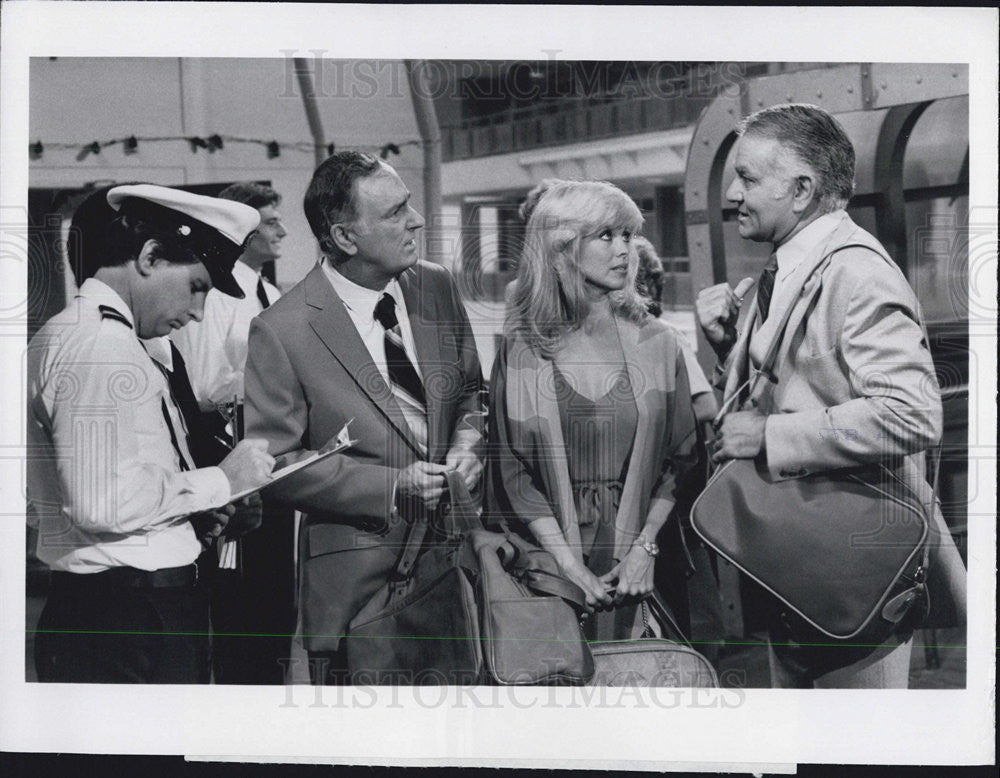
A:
(338, 444)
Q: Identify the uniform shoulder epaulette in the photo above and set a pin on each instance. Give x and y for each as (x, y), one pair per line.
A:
(107, 312)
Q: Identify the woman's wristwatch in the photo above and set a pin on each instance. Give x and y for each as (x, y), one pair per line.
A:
(650, 548)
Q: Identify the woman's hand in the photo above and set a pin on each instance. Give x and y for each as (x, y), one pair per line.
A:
(632, 577)
(593, 587)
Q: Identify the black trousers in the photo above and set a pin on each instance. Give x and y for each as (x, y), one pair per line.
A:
(253, 608)
(329, 668)
(100, 629)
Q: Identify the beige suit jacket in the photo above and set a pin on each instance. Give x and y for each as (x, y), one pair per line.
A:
(853, 380)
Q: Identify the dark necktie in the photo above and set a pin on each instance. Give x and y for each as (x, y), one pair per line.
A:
(208, 440)
(180, 389)
(174, 438)
(765, 287)
(262, 294)
(405, 382)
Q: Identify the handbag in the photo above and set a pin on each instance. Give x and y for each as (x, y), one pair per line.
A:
(471, 606)
(843, 553)
(650, 660)
(530, 614)
(422, 626)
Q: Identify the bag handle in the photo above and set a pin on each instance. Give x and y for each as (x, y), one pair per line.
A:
(454, 517)
(457, 515)
(517, 563)
(661, 611)
(544, 582)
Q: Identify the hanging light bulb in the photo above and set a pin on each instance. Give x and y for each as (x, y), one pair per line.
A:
(86, 151)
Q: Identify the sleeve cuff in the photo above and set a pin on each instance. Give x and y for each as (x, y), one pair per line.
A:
(213, 484)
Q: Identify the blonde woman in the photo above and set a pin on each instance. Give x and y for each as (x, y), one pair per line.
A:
(590, 406)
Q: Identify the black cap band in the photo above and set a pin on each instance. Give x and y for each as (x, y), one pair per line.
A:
(217, 252)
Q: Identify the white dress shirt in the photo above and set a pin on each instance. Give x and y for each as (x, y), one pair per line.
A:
(360, 304)
(105, 484)
(215, 349)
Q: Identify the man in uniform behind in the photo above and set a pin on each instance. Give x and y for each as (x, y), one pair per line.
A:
(253, 591)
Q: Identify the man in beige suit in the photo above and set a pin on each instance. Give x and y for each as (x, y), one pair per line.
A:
(853, 381)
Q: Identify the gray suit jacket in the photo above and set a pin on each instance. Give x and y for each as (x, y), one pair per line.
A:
(308, 373)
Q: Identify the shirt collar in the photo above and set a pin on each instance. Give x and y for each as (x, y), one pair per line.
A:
(792, 252)
(159, 349)
(246, 277)
(357, 298)
(101, 294)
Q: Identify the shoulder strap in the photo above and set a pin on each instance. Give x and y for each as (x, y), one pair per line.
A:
(107, 312)
(772, 350)
(414, 542)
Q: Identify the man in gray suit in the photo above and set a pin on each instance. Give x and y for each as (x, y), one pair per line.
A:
(853, 381)
(375, 337)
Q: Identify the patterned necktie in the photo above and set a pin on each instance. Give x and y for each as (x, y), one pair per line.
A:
(403, 377)
(765, 287)
(262, 294)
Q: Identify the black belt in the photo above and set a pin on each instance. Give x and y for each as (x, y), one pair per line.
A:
(130, 577)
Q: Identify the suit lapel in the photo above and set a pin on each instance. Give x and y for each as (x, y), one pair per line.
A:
(333, 326)
(800, 289)
(421, 307)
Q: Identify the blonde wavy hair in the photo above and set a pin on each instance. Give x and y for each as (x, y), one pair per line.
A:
(549, 298)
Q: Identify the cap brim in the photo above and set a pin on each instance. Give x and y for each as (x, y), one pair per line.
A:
(224, 281)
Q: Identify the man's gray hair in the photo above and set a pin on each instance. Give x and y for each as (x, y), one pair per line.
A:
(817, 139)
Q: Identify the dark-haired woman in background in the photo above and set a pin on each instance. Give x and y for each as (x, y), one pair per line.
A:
(590, 413)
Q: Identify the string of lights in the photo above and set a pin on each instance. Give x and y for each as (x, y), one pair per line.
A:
(210, 143)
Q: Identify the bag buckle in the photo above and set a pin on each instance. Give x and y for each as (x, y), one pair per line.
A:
(896, 608)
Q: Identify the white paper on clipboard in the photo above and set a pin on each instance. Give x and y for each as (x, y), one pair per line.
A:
(341, 442)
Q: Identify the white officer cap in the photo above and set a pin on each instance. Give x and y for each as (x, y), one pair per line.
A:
(215, 230)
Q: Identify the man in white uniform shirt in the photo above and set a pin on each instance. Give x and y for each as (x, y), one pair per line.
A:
(253, 591)
(215, 349)
(112, 486)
